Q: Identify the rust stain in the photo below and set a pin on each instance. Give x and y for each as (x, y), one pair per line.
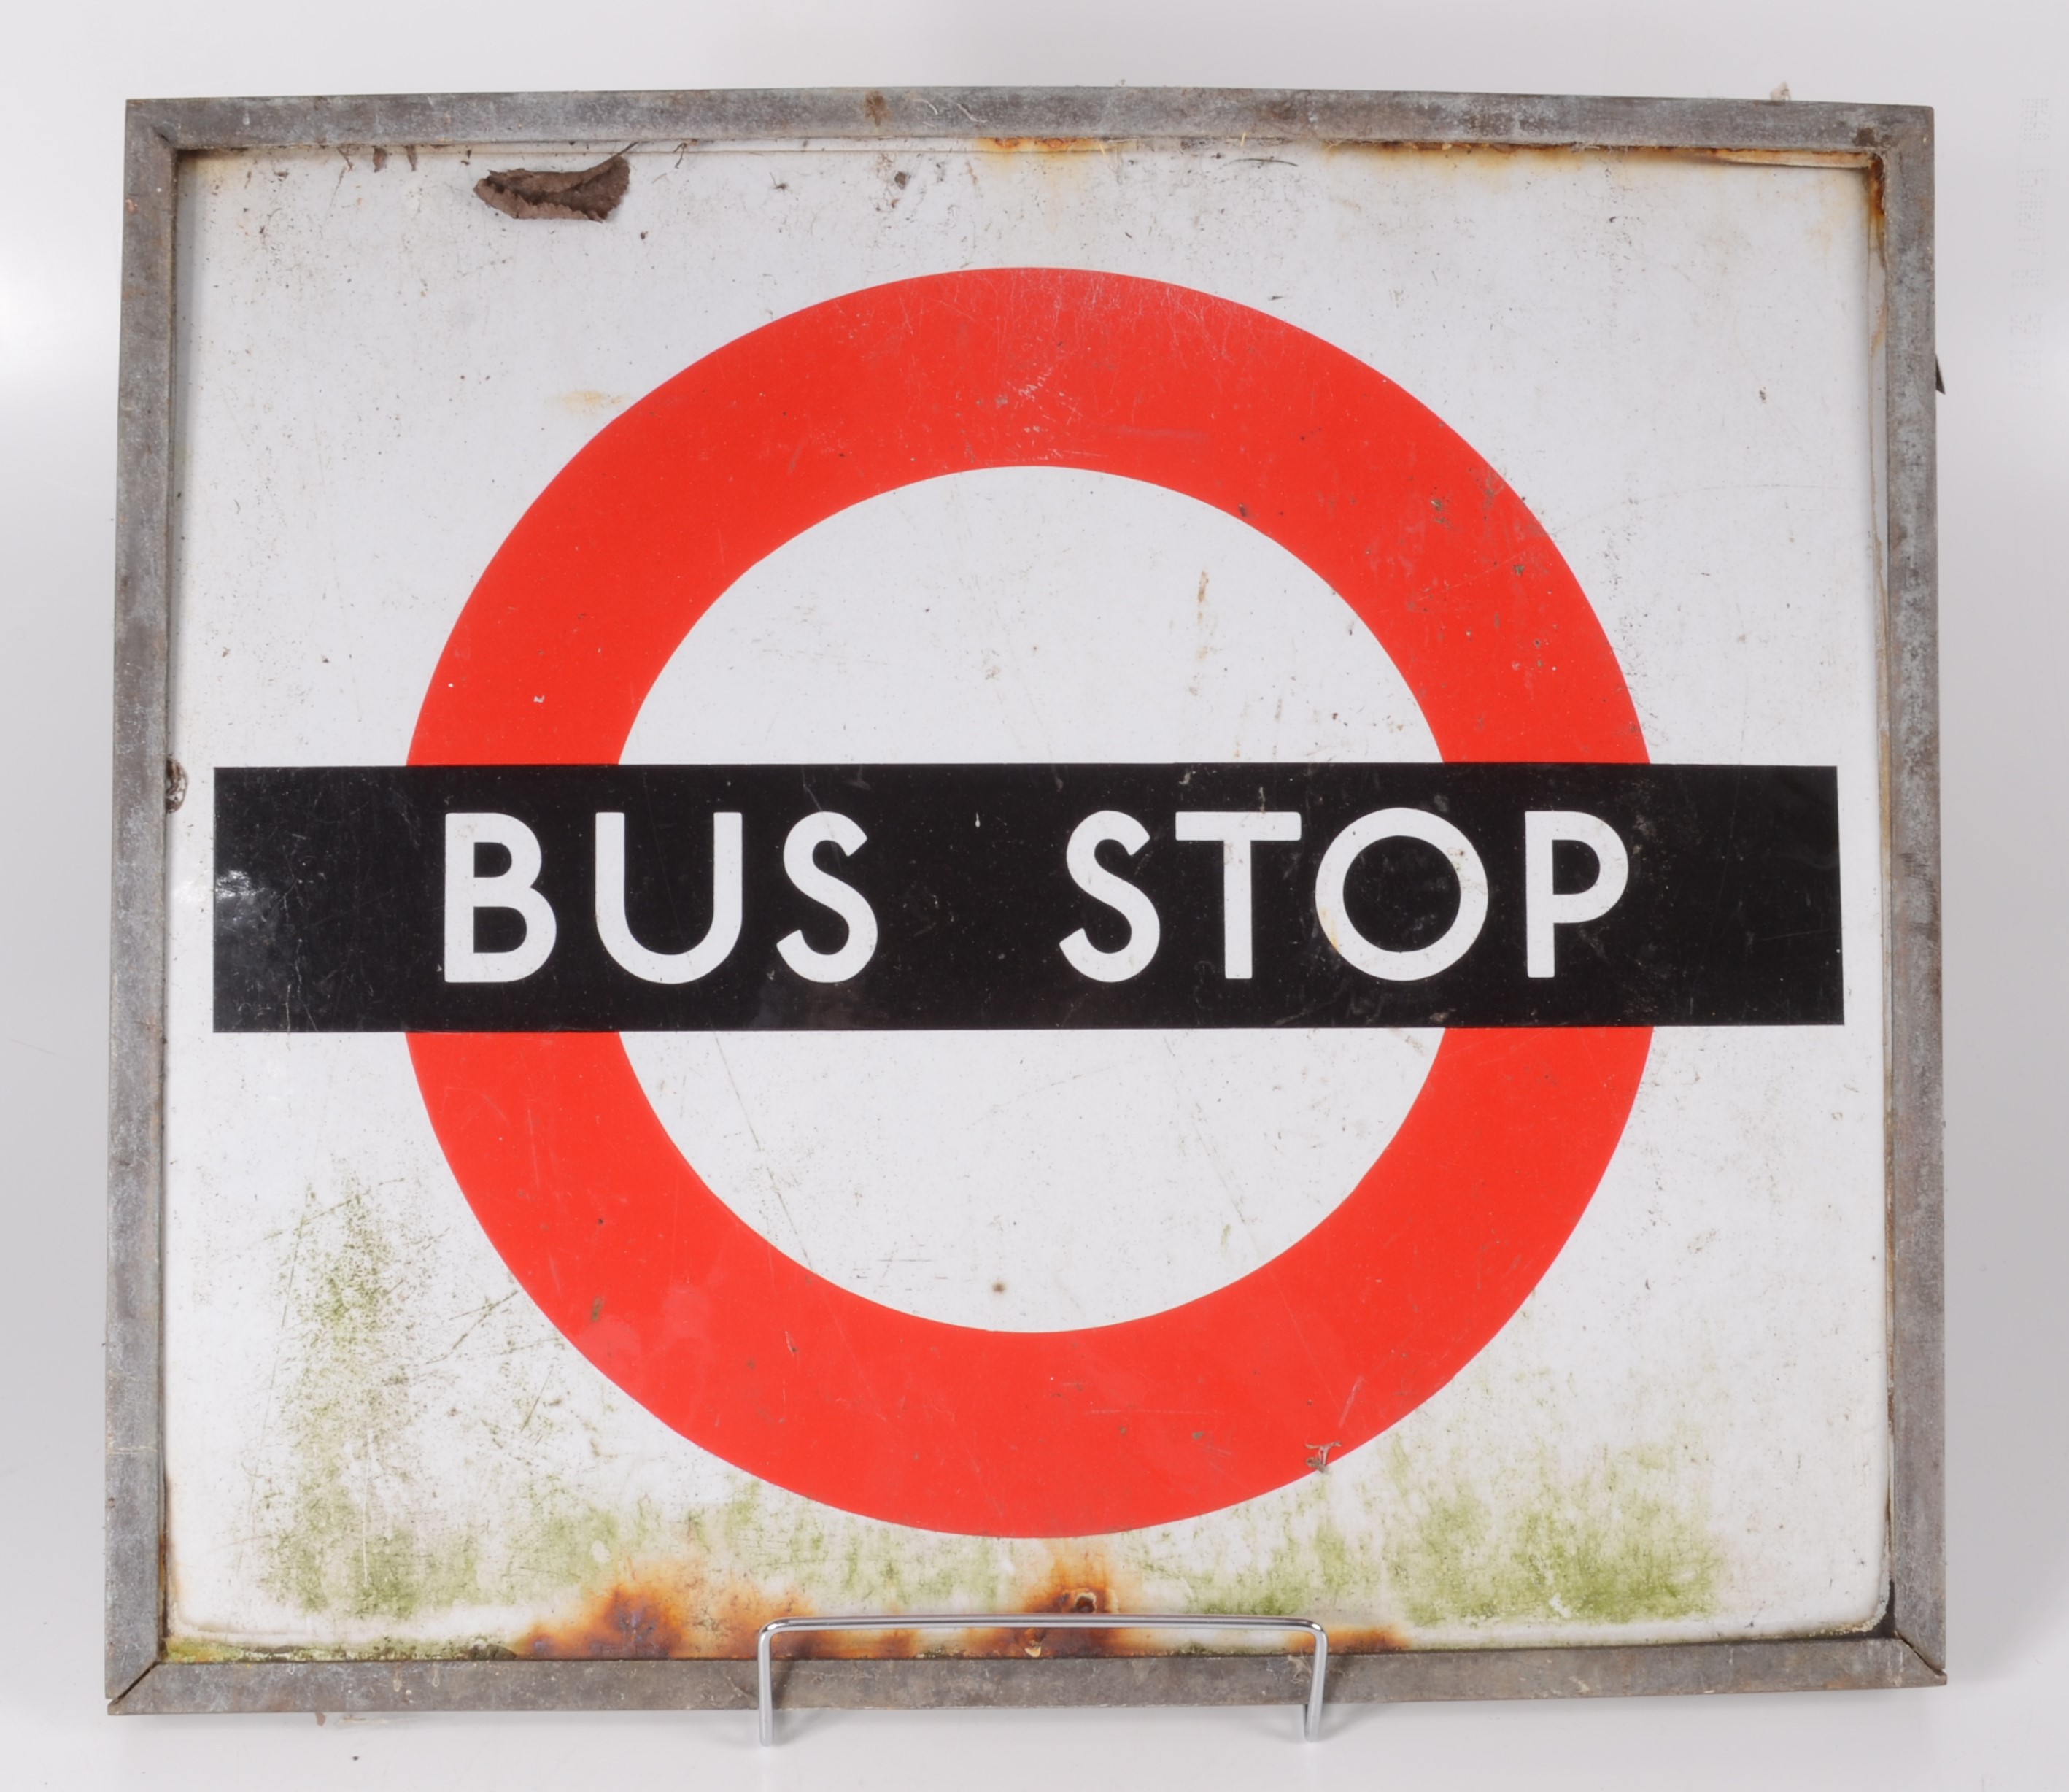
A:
(1071, 1580)
(625, 1624)
(1366, 1640)
(1788, 158)
(1074, 1580)
(680, 1609)
(673, 1610)
(874, 103)
(1049, 145)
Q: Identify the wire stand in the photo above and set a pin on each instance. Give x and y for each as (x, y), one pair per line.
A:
(1311, 1725)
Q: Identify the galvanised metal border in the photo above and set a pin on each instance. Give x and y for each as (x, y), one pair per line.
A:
(1894, 143)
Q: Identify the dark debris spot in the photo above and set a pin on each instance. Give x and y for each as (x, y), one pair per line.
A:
(577, 193)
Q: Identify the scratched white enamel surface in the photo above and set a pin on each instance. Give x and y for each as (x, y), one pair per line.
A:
(1031, 1180)
(374, 1441)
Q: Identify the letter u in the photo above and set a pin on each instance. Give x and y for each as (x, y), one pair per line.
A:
(709, 953)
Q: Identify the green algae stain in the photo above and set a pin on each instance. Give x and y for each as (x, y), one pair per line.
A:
(191, 1649)
(561, 1541)
(1323, 1571)
(849, 1563)
(352, 1524)
(354, 1529)
(1289, 1557)
(341, 1536)
(1617, 1543)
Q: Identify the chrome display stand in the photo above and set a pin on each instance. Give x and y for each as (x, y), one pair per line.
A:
(1311, 1725)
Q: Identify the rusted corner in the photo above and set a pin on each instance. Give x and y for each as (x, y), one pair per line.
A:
(590, 193)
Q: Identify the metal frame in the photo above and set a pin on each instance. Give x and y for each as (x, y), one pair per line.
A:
(1893, 143)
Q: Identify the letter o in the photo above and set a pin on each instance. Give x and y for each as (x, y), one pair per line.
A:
(1376, 960)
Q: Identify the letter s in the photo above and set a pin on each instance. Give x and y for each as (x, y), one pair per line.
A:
(1097, 881)
(804, 839)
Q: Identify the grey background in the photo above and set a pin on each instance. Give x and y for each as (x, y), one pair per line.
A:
(2004, 242)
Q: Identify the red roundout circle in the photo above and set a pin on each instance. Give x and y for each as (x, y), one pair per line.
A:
(697, 1315)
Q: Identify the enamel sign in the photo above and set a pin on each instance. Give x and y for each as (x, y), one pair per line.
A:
(996, 876)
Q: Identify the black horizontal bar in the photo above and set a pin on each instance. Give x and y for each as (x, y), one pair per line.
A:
(331, 897)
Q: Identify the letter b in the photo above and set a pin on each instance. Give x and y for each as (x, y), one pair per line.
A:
(468, 892)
